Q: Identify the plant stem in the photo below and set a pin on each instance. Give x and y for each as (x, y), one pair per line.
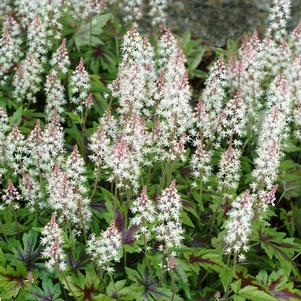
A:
(90, 41)
(94, 187)
(173, 285)
(232, 275)
(67, 283)
(15, 219)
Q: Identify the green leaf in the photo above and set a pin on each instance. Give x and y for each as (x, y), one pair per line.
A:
(276, 245)
(186, 219)
(226, 277)
(82, 37)
(16, 118)
(75, 117)
(254, 294)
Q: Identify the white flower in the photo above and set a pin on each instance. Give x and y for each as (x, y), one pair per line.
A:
(278, 17)
(10, 48)
(269, 151)
(11, 195)
(134, 87)
(3, 133)
(239, 224)
(80, 86)
(158, 11)
(173, 112)
(229, 168)
(169, 230)
(144, 213)
(60, 59)
(106, 248)
(14, 150)
(55, 98)
(52, 241)
(27, 79)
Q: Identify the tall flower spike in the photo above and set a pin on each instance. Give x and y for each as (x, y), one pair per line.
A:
(238, 226)
(132, 10)
(214, 93)
(119, 150)
(278, 17)
(120, 162)
(100, 147)
(51, 149)
(269, 151)
(31, 192)
(293, 75)
(144, 213)
(250, 76)
(67, 195)
(49, 12)
(52, 241)
(89, 8)
(27, 79)
(233, 119)
(60, 59)
(168, 45)
(76, 169)
(37, 38)
(10, 48)
(32, 151)
(129, 151)
(11, 196)
(173, 111)
(107, 248)
(14, 150)
(295, 40)
(169, 231)
(135, 84)
(80, 83)
(279, 94)
(3, 133)
(158, 11)
(55, 97)
(201, 162)
(229, 168)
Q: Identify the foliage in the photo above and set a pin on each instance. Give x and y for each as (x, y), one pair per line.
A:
(73, 226)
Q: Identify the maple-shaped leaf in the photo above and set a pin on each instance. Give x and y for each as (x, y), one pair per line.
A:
(128, 235)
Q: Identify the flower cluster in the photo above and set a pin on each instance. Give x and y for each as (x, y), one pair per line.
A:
(135, 83)
(174, 111)
(11, 196)
(3, 132)
(14, 150)
(60, 59)
(10, 48)
(89, 8)
(214, 94)
(52, 241)
(106, 248)
(144, 213)
(278, 17)
(158, 11)
(232, 120)
(229, 168)
(238, 227)
(169, 230)
(80, 85)
(67, 191)
(271, 137)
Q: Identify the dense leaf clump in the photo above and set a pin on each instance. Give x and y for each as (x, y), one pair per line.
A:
(146, 167)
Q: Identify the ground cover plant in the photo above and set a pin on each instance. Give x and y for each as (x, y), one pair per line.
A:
(131, 171)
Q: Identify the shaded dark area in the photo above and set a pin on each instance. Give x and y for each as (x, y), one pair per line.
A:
(218, 20)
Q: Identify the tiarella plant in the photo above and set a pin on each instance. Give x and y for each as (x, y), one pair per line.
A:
(127, 175)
